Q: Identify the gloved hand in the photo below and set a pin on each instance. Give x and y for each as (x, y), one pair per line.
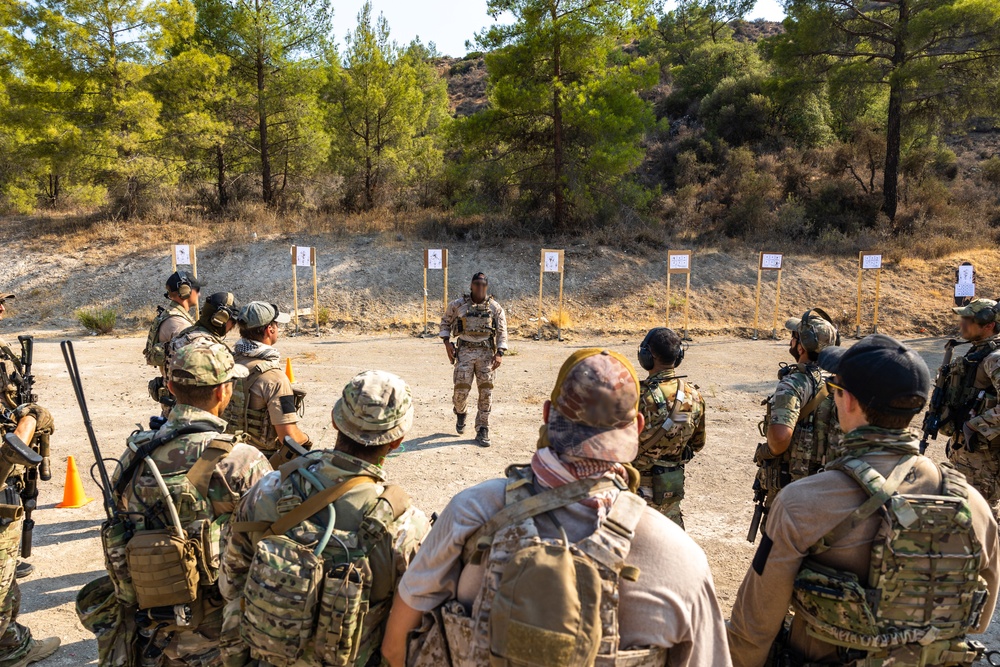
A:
(687, 454)
(43, 418)
(763, 453)
(970, 437)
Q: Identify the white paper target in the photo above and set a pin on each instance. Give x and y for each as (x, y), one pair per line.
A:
(680, 262)
(770, 261)
(303, 256)
(434, 259)
(965, 289)
(182, 255)
(551, 262)
(871, 261)
(965, 275)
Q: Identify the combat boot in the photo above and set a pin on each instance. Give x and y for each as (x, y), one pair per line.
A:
(483, 436)
(39, 650)
(460, 423)
(24, 569)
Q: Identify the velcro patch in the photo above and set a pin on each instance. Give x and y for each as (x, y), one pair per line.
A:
(287, 404)
(760, 558)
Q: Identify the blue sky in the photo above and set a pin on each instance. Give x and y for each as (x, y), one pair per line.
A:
(448, 23)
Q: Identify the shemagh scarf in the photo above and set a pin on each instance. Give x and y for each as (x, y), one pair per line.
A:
(255, 350)
(552, 469)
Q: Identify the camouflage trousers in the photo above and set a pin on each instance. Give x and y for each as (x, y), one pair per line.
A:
(474, 362)
(15, 639)
(981, 468)
(661, 483)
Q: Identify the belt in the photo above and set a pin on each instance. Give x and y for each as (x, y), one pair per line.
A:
(468, 343)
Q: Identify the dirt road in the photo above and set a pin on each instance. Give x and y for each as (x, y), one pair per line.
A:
(733, 374)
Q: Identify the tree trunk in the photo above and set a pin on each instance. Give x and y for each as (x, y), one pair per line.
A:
(557, 128)
(220, 185)
(267, 187)
(894, 124)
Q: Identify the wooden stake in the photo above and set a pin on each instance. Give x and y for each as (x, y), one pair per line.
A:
(777, 301)
(425, 291)
(315, 293)
(878, 286)
(668, 298)
(857, 331)
(687, 305)
(756, 308)
(541, 283)
(559, 330)
(295, 289)
(444, 257)
(194, 270)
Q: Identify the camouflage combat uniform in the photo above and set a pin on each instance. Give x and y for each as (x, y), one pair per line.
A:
(799, 386)
(481, 330)
(674, 412)
(971, 398)
(209, 471)
(374, 521)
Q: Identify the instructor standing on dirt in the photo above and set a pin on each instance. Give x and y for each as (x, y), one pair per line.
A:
(480, 324)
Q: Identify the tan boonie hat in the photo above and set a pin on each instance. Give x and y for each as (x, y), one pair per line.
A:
(594, 407)
(203, 363)
(376, 408)
(975, 306)
(10, 295)
(260, 313)
(816, 326)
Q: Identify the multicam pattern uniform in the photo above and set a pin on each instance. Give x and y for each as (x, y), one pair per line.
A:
(162, 643)
(812, 436)
(674, 413)
(978, 372)
(355, 513)
(481, 330)
(923, 592)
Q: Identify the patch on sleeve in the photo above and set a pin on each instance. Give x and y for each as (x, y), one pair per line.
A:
(760, 558)
(287, 404)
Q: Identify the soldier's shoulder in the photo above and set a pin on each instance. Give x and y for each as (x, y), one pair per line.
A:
(992, 360)
(244, 456)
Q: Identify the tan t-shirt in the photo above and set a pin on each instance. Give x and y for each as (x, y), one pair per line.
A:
(271, 389)
(802, 514)
(673, 605)
(172, 326)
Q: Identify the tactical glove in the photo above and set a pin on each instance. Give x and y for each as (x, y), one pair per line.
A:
(43, 418)
(763, 453)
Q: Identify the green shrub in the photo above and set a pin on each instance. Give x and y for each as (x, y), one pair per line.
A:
(98, 320)
(323, 316)
(991, 170)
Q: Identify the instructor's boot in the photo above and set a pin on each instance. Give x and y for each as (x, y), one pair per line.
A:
(24, 569)
(483, 436)
(460, 423)
(39, 650)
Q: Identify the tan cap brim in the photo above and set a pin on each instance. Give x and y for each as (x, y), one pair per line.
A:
(792, 324)
(283, 318)
(8, 296)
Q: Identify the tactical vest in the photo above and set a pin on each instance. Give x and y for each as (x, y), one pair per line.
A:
(150, 564)
(667, 442)
(155, 351)
(964, 386)
(814, 429)
(473, 640)
(923, 592)
(315, 602)
(10, 376)
(478, 318)
(256, 424)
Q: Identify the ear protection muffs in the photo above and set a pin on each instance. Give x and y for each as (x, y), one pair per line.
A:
(646, 358)
(984, 317)
(808, 337)
(184, 285)
(224, 312)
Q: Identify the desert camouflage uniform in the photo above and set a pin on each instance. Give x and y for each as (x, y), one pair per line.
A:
(798, 385)
(674, 412)
(477, 344)
(233, 476)
(981, 467)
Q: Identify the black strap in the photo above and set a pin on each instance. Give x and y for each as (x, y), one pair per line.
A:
(158, 441)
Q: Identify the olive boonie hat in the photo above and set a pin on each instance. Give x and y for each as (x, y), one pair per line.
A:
(376, 408)
(594, 407)
(260, 313)
(203, 363)
(975, 306)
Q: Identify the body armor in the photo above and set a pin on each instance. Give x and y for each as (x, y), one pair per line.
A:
(969, 392)
(155, 351)
(923, 592)
(674, 402)
(255, 424)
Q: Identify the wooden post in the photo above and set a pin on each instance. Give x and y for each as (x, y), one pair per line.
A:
(444, 259)
(861, 260)
(541, 284)
(687, 305)
(559, 327)
(295, 289)
(668, 298)
(756, 308)
(425, 291)
(194, 270)
(878, 287)
(312, 253)
(777, 306)
(869, 260)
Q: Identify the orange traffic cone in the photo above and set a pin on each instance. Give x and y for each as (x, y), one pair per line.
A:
(73, 494)
(289, 373)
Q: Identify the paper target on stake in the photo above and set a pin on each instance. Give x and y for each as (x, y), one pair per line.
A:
(771, 260)
(303, 256)
(966, 274)
(963, 290)
(679, 261)
(434, 260)
(871, 261)
(552, 261)
(182, 255)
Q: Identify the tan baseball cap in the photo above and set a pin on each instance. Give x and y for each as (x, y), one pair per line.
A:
(375, 408)
(594, 407)
(10, 295)
(203, 363)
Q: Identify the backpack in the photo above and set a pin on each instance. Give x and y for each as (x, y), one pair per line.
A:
(923, 592)
(548, 602)
(314, 602)
(155, 352)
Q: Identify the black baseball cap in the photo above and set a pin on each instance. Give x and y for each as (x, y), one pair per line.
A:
(879, 370)
(178, 277)
(481, 277)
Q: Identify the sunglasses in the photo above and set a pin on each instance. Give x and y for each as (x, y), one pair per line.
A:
(832, 386)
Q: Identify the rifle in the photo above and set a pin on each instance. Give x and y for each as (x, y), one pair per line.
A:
(114, 516)
(759, 511)
(932, 419)
(26, 394)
